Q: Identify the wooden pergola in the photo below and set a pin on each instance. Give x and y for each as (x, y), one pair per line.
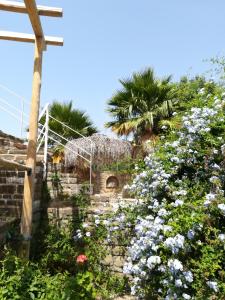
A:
(41, 42)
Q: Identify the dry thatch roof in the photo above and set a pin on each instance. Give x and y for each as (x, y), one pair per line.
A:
(104, 150)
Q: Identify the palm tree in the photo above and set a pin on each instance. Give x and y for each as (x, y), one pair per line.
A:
(140, 106)
(77, 119)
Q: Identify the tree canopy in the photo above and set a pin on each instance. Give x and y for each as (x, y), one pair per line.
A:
(139, 106)
(77, 119)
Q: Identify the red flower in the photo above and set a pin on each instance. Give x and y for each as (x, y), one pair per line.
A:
(81, 259)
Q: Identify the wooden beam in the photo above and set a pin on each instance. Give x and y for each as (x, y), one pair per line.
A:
(34, 18)
(29, 38)
(13, 6)
(29, 181)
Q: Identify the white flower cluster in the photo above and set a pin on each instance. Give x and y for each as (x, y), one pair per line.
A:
(144, 258)
(195, 125)
(222, 208)
(151, 182)
(154, 233)
(175, 243)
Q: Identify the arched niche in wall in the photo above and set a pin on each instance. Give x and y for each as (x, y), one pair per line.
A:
(112, 182)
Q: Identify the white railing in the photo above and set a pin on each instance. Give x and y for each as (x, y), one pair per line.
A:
(21, 111)
(44, 132)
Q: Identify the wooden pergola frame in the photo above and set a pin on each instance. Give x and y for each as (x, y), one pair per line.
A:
(41, 41)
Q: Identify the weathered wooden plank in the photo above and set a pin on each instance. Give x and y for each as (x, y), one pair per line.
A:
(29, 38)
(34, 18)
(13, 6)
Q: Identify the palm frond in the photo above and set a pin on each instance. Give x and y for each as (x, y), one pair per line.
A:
(142, 102)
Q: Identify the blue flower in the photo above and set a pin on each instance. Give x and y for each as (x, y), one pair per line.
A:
(212, 285)
(191, 234)
(222, 208)
(175, 265)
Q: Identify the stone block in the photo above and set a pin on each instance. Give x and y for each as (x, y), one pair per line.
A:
(116, 269)
(21, 174)
(11, 173)
(118, 251)
(72, 180)
(2, 174)
(7, 196)
(15, 180)
(2, 180)
(7, 189)
(20, 188)
(11, 202)
(108, 261)
(118, 261)
(18, 196)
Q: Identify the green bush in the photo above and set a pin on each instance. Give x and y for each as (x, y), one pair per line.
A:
(176, 236)
(25, 280)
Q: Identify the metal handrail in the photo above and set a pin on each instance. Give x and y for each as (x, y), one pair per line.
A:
(23, 100)
(13, 93)
(3, 100)
(66, 126)
(68, 141)
(45, 130)
(43, 111)
(47, 136)
(40, 143)
(51, 138)
(42, 131)
(9, 112)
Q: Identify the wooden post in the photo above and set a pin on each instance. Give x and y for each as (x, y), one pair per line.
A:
(27, 210)
(29, 7)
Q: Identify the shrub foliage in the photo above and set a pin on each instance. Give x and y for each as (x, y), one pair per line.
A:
(177, 244)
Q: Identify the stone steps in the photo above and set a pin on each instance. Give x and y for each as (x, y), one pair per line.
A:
(17, 151)
(62, 175)
(64, 180)
(21, 158)
(22, 151)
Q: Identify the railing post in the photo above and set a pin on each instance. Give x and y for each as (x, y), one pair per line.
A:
(46, 141)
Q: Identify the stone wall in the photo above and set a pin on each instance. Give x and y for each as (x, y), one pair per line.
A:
(11, 192)
(9, 142)
(62, 184)
(108, 189)
(14, 149)
(12, 172)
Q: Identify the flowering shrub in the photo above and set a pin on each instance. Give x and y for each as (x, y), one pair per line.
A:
(28, 281)
(75, 253)
(81, 259)
(177, 247)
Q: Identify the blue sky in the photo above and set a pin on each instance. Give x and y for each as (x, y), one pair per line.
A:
(106, 40)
